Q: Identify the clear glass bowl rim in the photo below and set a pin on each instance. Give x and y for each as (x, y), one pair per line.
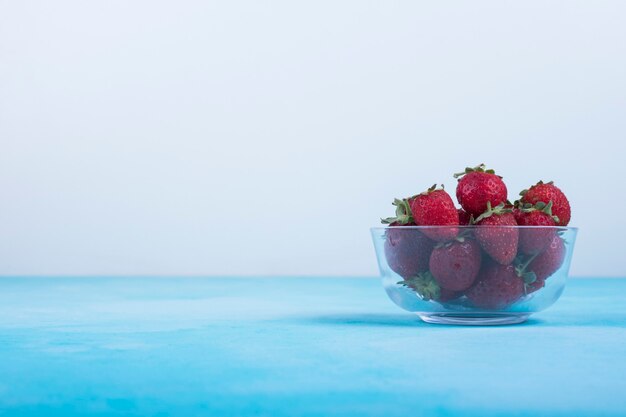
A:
(382, 228)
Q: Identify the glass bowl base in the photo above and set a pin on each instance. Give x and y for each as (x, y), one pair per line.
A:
(474, 319)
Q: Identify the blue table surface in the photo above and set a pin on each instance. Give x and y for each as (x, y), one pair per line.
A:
(297, 347)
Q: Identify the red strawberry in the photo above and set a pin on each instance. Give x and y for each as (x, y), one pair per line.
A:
(535, 269)
(549, 261)
(495, 234)
(403, 215)
(435, 208)
(455, 265)
(517, 214)
(546, 192)
(407, 250)
(431, 208)
(447, 295)
(477, 187)
(535, 240)
(497, 287)
(465, 219)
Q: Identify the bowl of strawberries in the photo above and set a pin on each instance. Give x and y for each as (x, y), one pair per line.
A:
(488, 262)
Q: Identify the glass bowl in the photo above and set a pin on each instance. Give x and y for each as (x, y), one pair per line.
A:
(475, 275)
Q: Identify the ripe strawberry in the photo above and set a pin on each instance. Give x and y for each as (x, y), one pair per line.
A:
(431, 208)
(407, 250)
(546, 192)
(549, 261)
(465, 219)
(535, 240)
(447, 295)
(435, 208)
(535, 269)
(477, 187)
(495, 235)
(497, 287)
(455, 265)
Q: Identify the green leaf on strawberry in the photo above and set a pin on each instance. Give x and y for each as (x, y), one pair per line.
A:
(424, 285)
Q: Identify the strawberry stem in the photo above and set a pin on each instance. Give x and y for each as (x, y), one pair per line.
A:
(479, 168)
(429, 190)
(520, 269)
(403, 213)
(498, 210)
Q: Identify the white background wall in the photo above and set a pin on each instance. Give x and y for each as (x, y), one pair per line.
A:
(262, 138)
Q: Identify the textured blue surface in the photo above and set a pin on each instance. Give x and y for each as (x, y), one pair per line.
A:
(296, 347)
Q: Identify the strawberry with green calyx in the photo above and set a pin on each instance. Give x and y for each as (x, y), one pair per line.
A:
(407, 250)
(497, 287)
(546, 192)
(455, 265)
(497, 234)
(536, 268)
(424, 285)
(403, 215)
(434, 207)
(531, 282)
(535, 240)
(478, 186)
